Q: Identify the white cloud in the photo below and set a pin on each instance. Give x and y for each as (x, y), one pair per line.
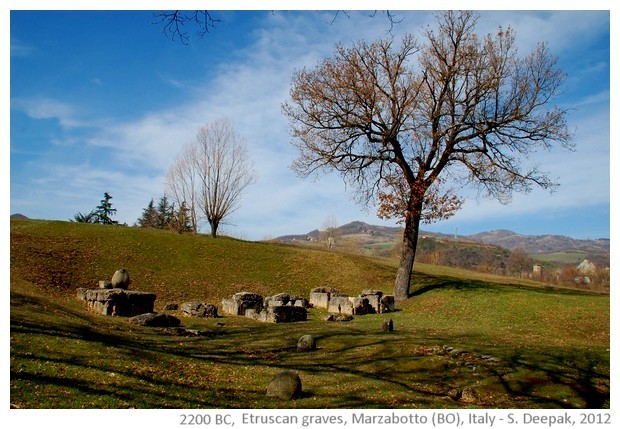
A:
(45, 108)
(250, 90)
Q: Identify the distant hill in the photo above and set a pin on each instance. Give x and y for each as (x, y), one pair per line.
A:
(18, 216)
(540, 243)
(546, 247)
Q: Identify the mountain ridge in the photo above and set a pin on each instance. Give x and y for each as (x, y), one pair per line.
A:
(533, 244)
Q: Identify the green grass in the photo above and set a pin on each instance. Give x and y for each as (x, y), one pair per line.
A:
(574, 257)
(515, 344)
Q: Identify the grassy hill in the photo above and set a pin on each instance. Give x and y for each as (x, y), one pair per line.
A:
(462, 340)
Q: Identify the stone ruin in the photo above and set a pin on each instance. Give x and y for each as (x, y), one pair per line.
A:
(199, 309)
(280, 308)
(117, 302)
(113, 298)
(368, 302)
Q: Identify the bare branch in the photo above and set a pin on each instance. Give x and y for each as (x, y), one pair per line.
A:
(211, 173)
(395, 120)
(175, 21)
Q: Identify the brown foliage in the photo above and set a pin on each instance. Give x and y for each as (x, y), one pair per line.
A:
(395, 119)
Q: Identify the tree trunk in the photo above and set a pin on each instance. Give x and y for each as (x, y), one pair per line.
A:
(410, 243)
(214, 225)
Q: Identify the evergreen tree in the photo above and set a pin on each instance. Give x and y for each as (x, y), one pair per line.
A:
(182, 219)
(104, 211)
(165, 213)
(85, 218)
(149, 218)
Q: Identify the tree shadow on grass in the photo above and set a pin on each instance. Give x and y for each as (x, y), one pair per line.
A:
(156, 369)
(424, 283)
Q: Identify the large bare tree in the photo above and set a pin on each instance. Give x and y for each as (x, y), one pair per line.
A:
(401, 123)
(211, 173)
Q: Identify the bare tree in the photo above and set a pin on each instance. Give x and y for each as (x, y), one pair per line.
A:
(211, 173)
(181, 183)
(519, 262)
(329, 232)
(400, 123)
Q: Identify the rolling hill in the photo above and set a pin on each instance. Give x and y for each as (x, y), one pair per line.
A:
(464, 339)
(557, 248)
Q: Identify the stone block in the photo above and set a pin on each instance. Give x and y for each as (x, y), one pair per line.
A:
(241, 302)
(117, 302)
(360, 305)
(319, 299)
(105, 284)
(199, 309)
(374, 301)
(387, 303)
(340, 304)
(284, 314)
(388, 325)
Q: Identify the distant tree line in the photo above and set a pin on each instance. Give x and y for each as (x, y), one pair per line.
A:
(511, 263)
(166, 216)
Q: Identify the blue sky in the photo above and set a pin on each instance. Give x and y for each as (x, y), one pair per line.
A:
(101, 101)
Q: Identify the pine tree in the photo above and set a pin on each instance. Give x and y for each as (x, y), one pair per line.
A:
(182, 219)
(149, 218)
(165, 213)
(84, 218)
(104, 211)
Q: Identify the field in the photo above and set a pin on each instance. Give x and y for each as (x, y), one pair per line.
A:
(463, 339)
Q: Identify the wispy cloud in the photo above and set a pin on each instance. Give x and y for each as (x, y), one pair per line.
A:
(129, 157)
(45, 108)
(20, 49)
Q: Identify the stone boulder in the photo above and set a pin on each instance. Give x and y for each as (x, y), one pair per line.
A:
(199, 309)
(306, 343)
(286, 386)
(171, 306)
(159, 320)
(241, 302)
(120, 279)
(117, 302)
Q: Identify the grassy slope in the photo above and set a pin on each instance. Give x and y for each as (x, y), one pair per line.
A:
(551, 346)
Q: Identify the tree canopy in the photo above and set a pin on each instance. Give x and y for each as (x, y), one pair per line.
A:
(404, 123)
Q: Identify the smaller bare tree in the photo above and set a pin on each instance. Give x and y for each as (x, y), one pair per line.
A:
(329, 233)
(181, 184)
(211, 173)
(519, 262)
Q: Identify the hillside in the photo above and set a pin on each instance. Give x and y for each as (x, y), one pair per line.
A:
(540, 243)
(556, 248)
(61, 256)
(464, 339)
